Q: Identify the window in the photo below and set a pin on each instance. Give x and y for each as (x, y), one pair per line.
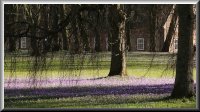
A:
(140, 43)
(23, 42)
(176, 44)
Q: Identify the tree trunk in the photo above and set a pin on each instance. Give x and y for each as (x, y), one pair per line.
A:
(97, 41)
(97, 31)
(171, 31)
(83, 34)
(34, 41)
(12, 44)
(128, 12)
(54, 27)
(64, 34)
(76, 43)
(44, 23)
(128, 40)
(184, 84)
(117, 22)
(152, 27)
(11, 17)
(34, 46)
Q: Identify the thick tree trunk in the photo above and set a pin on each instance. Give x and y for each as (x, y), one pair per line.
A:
(117, 23)
(171, 31)
(184, 84)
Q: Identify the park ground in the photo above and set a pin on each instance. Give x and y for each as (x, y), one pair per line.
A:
(81, 82)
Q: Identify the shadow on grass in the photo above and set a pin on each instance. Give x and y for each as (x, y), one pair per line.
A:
(90, 97)
(65, 92)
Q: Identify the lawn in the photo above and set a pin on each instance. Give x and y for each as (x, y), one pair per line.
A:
(106, 101)
(73, 82)
(89, 65)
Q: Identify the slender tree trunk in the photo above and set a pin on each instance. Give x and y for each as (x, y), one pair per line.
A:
(64, 34)
(34, 43)
(109, 41)
(12, 44)
(117, 22)
(44, 23)
(83, 33)
(171, 31)
(152, 27)
(76, 42)
(184, 84)
(164, 12)
(97, 41)
(97, 31)
(12, 17)
(54, 26)
(6, 26)
(128, 41)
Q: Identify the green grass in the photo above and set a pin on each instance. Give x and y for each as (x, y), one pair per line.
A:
(154, 72)
(93, 66)
(107, 101)
(137, 65)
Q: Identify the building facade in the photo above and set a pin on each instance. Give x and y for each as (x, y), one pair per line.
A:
(139, 32)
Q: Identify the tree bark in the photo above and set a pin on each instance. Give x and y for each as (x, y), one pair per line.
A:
(44, 24)
(128, 40)
(117, 23)
(83, 33)
(152, 27)
(54, 27)
(184, 84)
(64, 34)
(171, 31)
(75, 49)
(11, 16)
(97, 30)
(97, 41)
(34, 41)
